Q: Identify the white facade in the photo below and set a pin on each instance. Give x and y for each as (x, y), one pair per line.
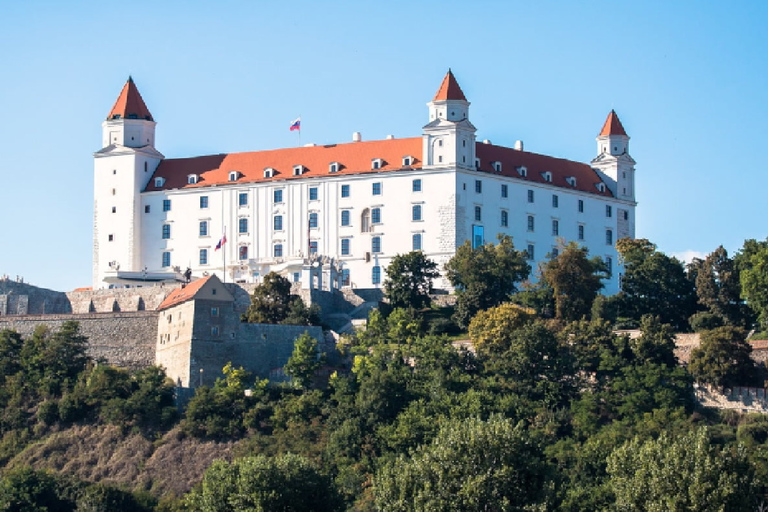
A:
(340, 217)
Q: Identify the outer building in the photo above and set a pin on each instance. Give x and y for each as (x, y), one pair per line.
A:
(335, 215)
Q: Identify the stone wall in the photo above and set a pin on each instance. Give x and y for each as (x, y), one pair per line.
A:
(121, 339)
(17, 298)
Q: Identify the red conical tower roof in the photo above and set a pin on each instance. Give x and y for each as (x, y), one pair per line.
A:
(129, 104)
(449, 89)
(612, 126)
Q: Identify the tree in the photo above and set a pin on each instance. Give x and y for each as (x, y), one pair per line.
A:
(723, 358)
(304, 361)
(273, 303)
(656, 344)
(754, 282)
(288, 483)
(485, 276)
(654, 284)
(409, 280)
(472, 465)
(679, 474)
(718, 287)
(575, 280)
(490, 329)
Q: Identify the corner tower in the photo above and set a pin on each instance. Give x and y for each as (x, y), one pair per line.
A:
(613, 162)
(122, 169)
(449, 137)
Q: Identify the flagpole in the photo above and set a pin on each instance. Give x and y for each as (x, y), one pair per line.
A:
(224, 255)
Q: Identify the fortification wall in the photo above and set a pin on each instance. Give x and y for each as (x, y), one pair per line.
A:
(122, 339)
(17, 298)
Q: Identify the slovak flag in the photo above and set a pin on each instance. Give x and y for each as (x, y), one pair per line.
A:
(221, 242)
(296, 125)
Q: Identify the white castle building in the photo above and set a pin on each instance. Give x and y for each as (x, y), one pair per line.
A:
(334, 215)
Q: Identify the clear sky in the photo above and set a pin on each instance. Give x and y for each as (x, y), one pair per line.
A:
(687, 78)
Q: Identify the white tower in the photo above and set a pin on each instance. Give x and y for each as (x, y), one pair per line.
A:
(122, 169)
(449, 138)
(613, 162)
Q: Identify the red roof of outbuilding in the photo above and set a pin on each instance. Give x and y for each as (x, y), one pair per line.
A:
(183, 294)
(449, 89)
(612, 126)
(129, 104)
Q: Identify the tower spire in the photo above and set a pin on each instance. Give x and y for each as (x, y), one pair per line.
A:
(130, 104)
(449, 89)
(612, 126)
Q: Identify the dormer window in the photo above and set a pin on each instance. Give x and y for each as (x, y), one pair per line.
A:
(496, 166)
(547, 176)
(298, 170)
(477, 163)
(333, 167)
(269, 172)
(601, 187)
(377, 163)
(159, 182)
(407, 161)
(522, 171)
(233, 175)
(192, 179)
(571, 181)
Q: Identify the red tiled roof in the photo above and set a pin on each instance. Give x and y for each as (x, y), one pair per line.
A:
(535, 164)
(183, 294)
(129, 104)
(612, 126)
(353, 157)
(449, 89)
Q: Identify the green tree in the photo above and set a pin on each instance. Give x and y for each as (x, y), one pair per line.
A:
(754, 283)
(471, 465)
(490, 329)
(28, 490)
(718, 287)
(288, 483)
(52, 361)
(304, 361)
(656, 344)
(11, 344)
(723, 359)
(683, 473)
(485, 276)
(575, 280)
(409, 280)
(273, 303)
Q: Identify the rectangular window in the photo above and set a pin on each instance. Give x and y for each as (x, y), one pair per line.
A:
(608, 211)
(345, 217)
(555, 201)
(243, 199)
(608, 237)
(203, 201)
(277, 251)
(504, 191)
(478, 236)
(313, 193)
(581, 232)
(478, 214)
(203, 228)
(296, 277)
(555, 252)
(345, 246)
(345, 277)
(625, 214)
(166, 231)
(243, 252)
(146, 209)
(214, 330)
(313, 247)
(478, 186)
(203, 256)
(609, 265)
(417, 241)
(277, 196)
(376, 189)
(313, 220)
(214, 311)
(376, 216)
(530, 223)
(376, 275)
(166, 205)
(345, 191)
(504, 218)
(242, 225)
(529, 254)
(581, 206)
(166, 259)
(277, 223)
(416, 185)
(376, 244)
(555, 227)
(416, 212)
(530, 196)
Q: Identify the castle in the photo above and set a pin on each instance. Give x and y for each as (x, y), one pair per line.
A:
(333, 216)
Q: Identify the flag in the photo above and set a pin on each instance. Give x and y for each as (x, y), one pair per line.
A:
(221, 242)
(296, 125)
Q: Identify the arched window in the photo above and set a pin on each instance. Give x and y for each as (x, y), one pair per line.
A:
(365, 221)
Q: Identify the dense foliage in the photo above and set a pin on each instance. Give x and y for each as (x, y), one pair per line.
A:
(273, 303)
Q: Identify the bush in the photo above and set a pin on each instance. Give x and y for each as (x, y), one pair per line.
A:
(705, 321)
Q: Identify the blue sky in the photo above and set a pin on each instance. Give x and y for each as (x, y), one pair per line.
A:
(687, 78)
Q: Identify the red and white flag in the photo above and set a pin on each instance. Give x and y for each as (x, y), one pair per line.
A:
(296, 125)
(221, 242)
